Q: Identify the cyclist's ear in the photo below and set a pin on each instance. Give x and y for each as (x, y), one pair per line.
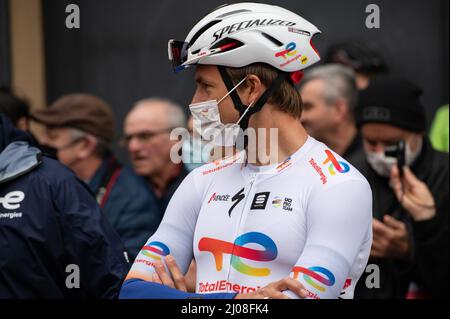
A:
(252, 89)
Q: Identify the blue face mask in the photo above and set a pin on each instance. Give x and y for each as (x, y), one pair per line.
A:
(194, 153)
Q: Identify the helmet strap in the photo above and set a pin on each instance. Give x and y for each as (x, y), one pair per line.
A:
(239, 106)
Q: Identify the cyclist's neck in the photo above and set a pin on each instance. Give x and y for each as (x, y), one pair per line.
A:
(291, 135)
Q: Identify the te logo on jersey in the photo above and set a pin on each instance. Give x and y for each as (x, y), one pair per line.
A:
(155, 250)
(237, 250)
(316, 276)
(335, 165)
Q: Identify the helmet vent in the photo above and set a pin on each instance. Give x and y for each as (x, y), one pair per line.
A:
(202, 30)
(227, 44)
(232, 13)
(272, 39)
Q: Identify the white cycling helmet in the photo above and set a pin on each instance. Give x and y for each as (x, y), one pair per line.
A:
(240, 34)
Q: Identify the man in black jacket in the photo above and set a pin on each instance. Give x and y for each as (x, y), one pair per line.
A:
(411, 204)
(54, 241)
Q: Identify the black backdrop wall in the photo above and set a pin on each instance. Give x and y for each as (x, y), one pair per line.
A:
(5, 45)
(120, 50)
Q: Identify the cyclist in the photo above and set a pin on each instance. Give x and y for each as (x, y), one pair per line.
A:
(297, 228)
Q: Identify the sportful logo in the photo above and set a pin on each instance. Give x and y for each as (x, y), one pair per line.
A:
(290, 51)
(237, 251)
(341, 167)
(151, 250)
(312, 276)
(260, 200)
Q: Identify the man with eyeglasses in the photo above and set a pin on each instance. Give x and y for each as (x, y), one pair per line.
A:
(81, 129)
(147, 130)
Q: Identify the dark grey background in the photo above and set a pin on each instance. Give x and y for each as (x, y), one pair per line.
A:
(5, 45)
(120, 51)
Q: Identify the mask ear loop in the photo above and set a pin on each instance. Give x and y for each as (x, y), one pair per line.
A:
(233, 89)
(245, 112)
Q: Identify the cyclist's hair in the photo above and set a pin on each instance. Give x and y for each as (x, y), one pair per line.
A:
(286, 98)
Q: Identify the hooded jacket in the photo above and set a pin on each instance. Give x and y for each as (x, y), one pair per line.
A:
(54, 240)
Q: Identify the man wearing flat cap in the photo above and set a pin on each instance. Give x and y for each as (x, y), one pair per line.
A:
(81, 129)
(410, 185)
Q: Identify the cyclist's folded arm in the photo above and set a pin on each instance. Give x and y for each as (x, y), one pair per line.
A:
(339, 221)
(174, 235)
(140, 289)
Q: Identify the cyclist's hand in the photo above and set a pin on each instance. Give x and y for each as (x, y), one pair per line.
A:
(275, 290)
(191, 276)
(161, 276)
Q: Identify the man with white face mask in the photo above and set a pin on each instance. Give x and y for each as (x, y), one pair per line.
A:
(296, 224)
(410, 227)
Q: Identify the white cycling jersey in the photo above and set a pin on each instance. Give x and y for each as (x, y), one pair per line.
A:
(309, 217)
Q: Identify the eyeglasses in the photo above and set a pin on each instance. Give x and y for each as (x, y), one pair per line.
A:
(142, 137)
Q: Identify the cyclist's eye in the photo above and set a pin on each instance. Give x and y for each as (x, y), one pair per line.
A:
(204, 86)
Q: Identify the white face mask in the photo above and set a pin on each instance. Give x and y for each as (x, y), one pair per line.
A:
(383, 164)
(208, 125)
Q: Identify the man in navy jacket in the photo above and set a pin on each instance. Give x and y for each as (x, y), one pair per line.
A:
(54, 241)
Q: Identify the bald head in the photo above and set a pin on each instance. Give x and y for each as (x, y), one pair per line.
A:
(158, 112)
(147, 130)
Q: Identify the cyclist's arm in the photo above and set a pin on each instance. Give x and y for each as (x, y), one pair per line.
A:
(175, 237)
(338, 222)
(140, 289)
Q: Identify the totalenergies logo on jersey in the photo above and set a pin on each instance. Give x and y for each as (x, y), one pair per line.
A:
(237, 251)
(315, 275)
(155, 250)
(335, 165)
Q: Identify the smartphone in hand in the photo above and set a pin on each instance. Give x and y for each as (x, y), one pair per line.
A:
(398, 150)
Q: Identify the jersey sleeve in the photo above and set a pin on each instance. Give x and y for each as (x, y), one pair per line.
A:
(174, 235)
(339, 221)
(140, 289)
